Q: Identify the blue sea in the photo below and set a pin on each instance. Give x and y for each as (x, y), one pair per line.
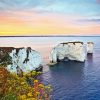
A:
(70, 80)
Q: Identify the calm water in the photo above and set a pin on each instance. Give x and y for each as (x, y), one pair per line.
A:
(71, 80)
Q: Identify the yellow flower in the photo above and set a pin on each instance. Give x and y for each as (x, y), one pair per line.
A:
(41, 85)
(37, 93)
(35, 81)
(33, 73)
(29, 94)
(22, 97)
(31, 99)
(22, 83)
(39, 72)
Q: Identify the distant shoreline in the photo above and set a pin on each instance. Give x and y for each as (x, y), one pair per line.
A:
(51, 36)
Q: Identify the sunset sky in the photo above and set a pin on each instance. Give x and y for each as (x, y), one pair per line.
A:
(49, 17)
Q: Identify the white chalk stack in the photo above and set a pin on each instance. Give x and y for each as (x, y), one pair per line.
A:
(90, 46)
(71, 50)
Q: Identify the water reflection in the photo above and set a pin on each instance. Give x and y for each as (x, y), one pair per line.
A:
(70, 70)
(90, 57)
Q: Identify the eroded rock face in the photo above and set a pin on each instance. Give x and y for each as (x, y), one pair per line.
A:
(71, 50)
(90, 46)
(23, 59)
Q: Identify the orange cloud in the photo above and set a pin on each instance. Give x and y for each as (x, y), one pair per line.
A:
(31, 23)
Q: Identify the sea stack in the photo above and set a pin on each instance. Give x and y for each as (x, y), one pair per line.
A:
(70, 50)
(25, 59)
(90, 46)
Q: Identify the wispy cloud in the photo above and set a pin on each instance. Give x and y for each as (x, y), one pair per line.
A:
(83, 7)
(94, 20)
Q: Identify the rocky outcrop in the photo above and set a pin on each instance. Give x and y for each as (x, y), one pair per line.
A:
(4, 55)
(70, 50)
(22, 59)
(90, 47)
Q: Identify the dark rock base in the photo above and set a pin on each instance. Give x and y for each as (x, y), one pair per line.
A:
(39, 69)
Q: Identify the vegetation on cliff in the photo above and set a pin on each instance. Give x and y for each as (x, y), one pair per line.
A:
(27, 87)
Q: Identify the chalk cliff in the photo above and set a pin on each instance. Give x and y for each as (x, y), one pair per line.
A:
(70, 50)
(24, 59)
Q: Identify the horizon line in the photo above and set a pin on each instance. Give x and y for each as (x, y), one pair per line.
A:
(52, 36)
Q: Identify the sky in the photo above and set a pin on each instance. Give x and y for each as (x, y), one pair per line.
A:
(49, 17)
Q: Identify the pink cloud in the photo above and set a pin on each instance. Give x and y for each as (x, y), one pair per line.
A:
(53, 22)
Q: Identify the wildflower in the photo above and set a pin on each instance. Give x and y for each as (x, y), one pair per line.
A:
(31, 99)
(41, 85)
(37, 93)
(22, 97)
(29, 94)
(22, 83)
(36, 81)
(33, 73)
